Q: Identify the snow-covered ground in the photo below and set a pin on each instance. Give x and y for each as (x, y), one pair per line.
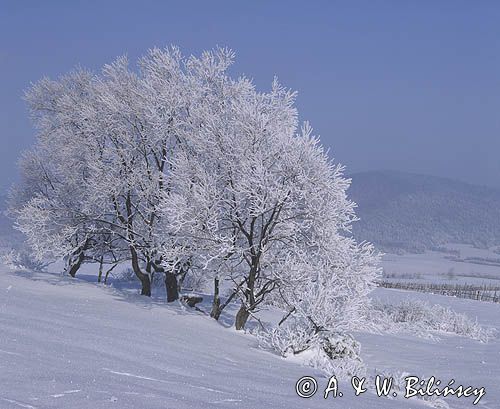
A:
(67, 343)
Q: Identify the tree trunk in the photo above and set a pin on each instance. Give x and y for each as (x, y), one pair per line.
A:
(171, 287)
(101, 262)
(108, 272)
(145, 286)
(143, 278)
(216, 309)
(171, 284)
(75, 261)
(241, 318)
(74, 265)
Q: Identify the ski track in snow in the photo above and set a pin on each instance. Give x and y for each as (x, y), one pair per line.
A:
(9, 352)
(160, 380)
(137, 376)
(20, 404)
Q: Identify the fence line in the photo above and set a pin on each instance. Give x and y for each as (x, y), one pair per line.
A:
(473, 292)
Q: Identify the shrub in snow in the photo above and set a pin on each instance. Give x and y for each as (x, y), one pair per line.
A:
(448, 320)
(341, 367)
(422, 319)
(332, 352)
(285, 339)
(21, 259)
(125, 275)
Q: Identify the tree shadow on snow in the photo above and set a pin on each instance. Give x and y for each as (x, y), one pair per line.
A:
(128, 290)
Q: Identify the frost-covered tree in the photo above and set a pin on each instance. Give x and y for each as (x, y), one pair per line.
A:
(180, 169)
(105, 141)
(255, 200)
(49, 203)
(140, 120)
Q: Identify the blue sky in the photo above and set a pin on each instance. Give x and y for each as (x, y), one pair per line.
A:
(405, 85)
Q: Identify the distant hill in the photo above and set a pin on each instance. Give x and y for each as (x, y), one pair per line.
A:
(403, 211)
(400, 211)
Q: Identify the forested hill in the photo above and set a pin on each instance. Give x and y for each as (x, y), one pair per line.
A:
(416, 212)
(404, 211)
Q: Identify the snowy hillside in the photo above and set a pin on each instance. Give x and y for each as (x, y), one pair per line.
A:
(416, 212)
(67, 343)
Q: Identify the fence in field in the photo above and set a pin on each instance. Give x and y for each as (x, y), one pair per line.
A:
(474, 292)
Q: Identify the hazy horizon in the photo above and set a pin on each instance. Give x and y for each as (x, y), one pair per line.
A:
(407, 87)
(4, 193)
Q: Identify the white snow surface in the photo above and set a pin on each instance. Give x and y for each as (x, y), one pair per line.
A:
(68, 343)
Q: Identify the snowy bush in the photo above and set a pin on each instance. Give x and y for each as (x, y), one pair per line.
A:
(448, 320)
(333, 353)
(423, 319)
(126, 275)
(21, 259)
(285, 339)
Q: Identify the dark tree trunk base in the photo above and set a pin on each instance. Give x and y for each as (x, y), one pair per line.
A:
(171, 287)
(146, 286)
(143, 278)
(75, 266)
(216, 309)
(241, 318)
